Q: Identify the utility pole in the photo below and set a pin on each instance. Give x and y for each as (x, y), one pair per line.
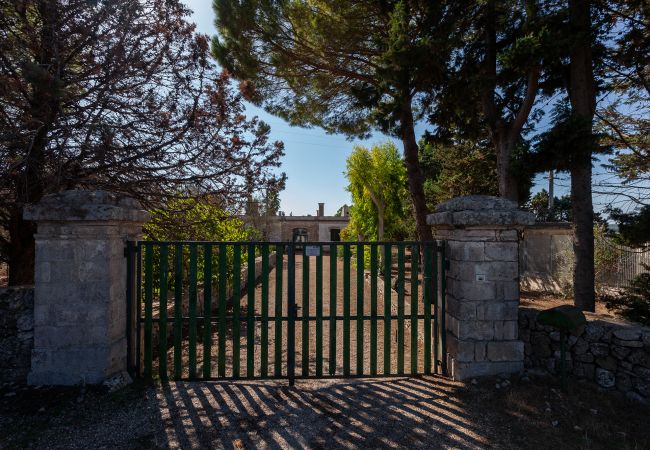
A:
(551, 196)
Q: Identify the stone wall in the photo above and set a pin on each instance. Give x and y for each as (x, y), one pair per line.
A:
(80, 275)
(615, 355)
(4, 275)
(16, 333)
(546, 258)
(482, 240)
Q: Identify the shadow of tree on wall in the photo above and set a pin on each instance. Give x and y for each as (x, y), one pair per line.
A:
(398, 413)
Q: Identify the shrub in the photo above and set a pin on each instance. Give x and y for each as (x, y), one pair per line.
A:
(634, 302)
(195, 219)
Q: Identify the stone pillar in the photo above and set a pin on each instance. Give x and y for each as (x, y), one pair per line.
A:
(80, 285)
(482, 235)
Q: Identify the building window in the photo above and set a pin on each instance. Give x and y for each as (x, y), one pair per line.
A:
(335, 234)
(300, 235)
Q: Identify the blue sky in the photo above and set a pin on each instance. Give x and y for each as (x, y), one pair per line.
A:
(315, 161)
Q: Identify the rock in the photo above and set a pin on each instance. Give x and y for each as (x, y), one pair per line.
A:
(623, 382)
(642, 386)
(581, 347)
(594, 332)
(626, 365)
(577, 428)
(541, 344)
(633, 344)
(10, 394)
(41, 409)
(584, 358)
(593, 411)
(620, 352)
(628, 334)
(637, 398)
(117, 381)
(555, 423)
(584, 370)
(474, 381)
(607, 336)
(555, 336)
(605, 378)
(599, 349)
(642, 372)
(640, 358)
(608, 363)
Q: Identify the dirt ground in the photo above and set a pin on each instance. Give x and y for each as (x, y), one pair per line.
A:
(430, 412)
(542, 300)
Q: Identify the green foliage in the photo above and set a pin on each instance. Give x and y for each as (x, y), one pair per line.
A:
(625, 119)
(633, 227)
(634, 302)
(561, 211)
(194, 219)
(345, 66)
(566, 142)
(190, 219)
(564, 318)
(462, 168)
(377, 183)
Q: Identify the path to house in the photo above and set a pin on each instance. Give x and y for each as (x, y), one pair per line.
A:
(326, 329)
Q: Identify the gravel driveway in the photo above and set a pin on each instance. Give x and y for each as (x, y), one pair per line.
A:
(429, 412)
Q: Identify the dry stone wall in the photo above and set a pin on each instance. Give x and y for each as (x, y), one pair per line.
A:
(615, 355)
(16, 333)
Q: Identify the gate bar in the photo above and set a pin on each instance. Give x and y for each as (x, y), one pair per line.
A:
(292, 310)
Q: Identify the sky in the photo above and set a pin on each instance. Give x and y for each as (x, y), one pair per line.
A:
(314, 161)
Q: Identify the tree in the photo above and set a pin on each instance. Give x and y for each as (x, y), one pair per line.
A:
(625, 119)
(194, 219)
(348, 67)
(118, 95)
(633, 227)
(582, 96)
(464, 167)
(560, 212)
(377, 183)
(494, 82)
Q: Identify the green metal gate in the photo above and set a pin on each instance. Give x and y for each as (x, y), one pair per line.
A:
(251, 310)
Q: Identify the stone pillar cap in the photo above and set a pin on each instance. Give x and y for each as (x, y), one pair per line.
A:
(479, 210)
(91, 206)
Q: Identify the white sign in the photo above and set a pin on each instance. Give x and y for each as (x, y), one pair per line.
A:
(312, 250)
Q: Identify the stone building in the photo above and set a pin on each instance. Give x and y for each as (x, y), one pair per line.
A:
(318, 228)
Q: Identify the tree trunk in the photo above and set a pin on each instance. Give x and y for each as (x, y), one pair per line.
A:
(504, 132)
(508, 185)
(582, 94)
(414, 173)
(21, 249)
(583, 236)
(29, 184)
(380, 223)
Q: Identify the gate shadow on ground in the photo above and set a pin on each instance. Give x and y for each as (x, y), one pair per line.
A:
(395, 413)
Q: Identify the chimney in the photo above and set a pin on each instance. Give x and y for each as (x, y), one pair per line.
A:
(321, 209)
(346, 211)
